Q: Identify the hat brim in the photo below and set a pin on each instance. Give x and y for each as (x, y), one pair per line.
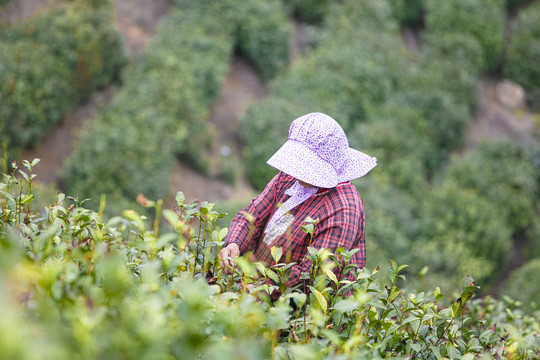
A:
(357, 165)
(300, 162)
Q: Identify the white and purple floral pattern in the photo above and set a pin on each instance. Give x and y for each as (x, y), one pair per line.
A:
(317, 152)
(298, 194)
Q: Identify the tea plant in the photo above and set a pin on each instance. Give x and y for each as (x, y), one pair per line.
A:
(138, 287)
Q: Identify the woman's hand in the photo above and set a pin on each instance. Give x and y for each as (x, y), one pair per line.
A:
(228, 257)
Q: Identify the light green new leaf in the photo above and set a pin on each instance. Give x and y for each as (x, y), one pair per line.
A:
(330, 274)
(276, 252)
(320, 299)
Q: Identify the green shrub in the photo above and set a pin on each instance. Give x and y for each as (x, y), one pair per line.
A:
(458, 49)
(516, 4)
(395, 135)
(264, 128)
(390, 219)
(502, 173)
(522, 284)
(482, 19)
(523, 53)
(445, 119)
(167, 96)
(51, 63)
(263, 35)
(309, 11)
(84, 288)
(461, 233)
(533, 235)
(228, 169)
(409, 13)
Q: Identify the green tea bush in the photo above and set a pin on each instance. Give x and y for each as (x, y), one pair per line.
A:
(516, 4)
(440, 109)
(501, 172)
(82, 287)
(270, 118)
(263, 35)
(309, 11)
(461, 233)
(484, 20)
(457, 48)
(478, 204)
(523, 54)
(392, 220)
(533, 234)
(522, 284)
(395, 135)
(52, 62)
(409, 13)
(445, 119)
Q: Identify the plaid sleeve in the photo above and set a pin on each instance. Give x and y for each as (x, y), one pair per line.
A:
(248, 225)
(343, 227)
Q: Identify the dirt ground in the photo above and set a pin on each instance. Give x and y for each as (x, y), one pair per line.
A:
(501, 114)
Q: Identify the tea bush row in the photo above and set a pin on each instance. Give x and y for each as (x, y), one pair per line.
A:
(130, 287)
(522, 54)
(51, 63)
(483, 200)
(465, 222)
(482, 21)
(474, 34)
(311, 12)
(162, 109)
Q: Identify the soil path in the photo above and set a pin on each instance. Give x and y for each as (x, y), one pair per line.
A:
(56, 147)
(501, 114)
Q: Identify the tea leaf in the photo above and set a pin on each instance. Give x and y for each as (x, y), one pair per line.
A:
(330, 274)
(276, 253)
(346, 305)
(320, 299)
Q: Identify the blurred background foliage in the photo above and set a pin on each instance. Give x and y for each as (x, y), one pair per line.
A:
(50, 64)
(432, 201)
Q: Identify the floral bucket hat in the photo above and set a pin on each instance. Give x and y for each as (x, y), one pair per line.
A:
(317, 152)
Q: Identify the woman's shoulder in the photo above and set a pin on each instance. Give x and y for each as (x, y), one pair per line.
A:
(344, 195)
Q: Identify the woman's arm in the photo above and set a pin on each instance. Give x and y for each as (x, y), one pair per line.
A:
(248, 225)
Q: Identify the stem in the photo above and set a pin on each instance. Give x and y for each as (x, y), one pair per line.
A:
(159, 205)
(445, 329)
(19, 204)
(204, 246)
(305, 320)
(197, 248)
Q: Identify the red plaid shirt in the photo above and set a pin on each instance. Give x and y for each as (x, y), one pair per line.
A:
(341, 224)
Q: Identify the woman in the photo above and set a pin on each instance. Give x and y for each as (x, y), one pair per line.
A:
(316, 168)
